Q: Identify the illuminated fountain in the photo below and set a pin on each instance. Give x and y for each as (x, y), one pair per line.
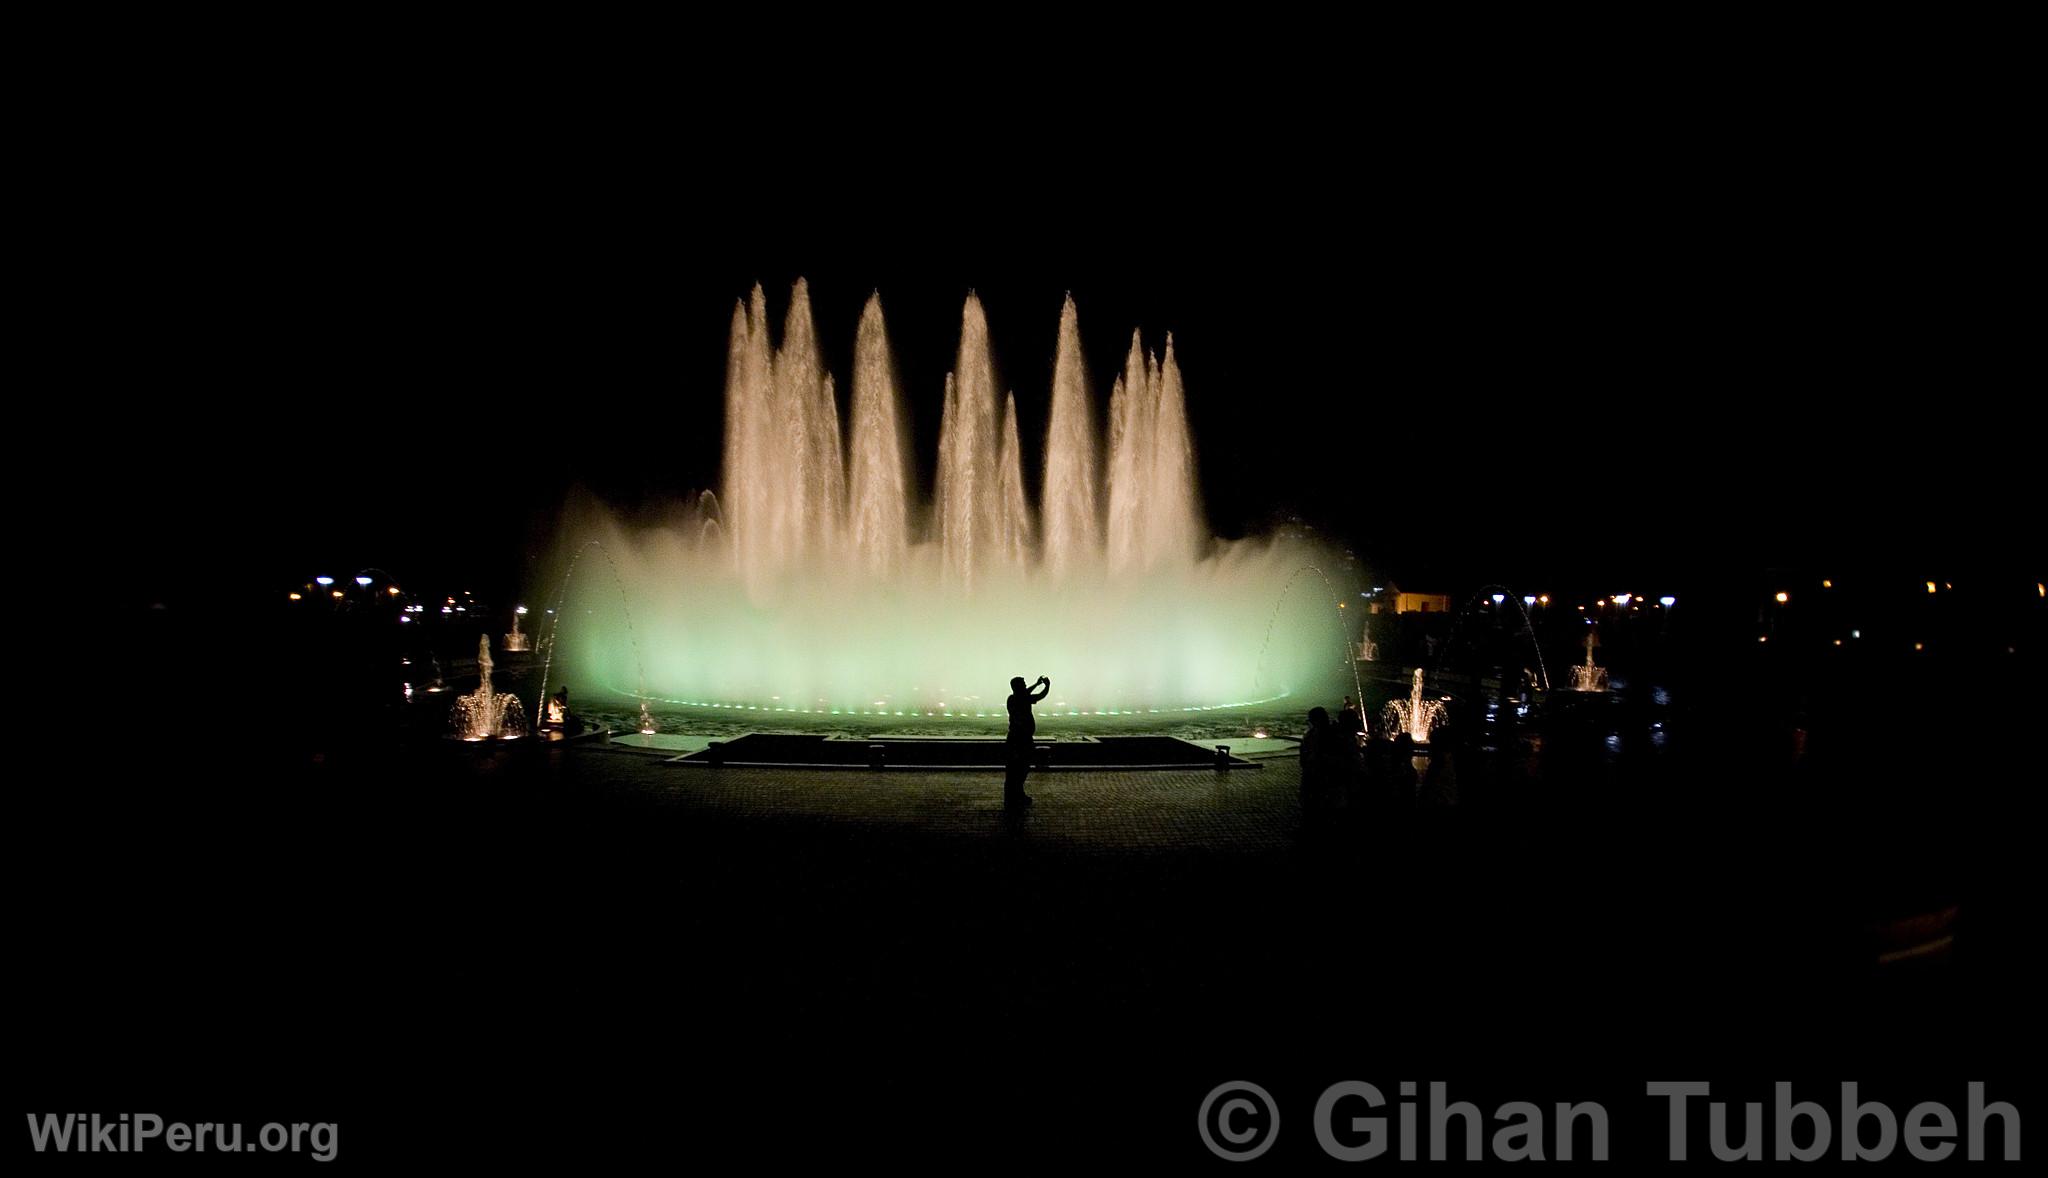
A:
(818, 582)
(484, 714)
(516, 640)
(1416, 716)
(1586, 676)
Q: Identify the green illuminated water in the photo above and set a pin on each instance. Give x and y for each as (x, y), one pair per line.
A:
(801, 591)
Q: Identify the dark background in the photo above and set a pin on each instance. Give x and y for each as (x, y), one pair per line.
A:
(1558, 330)
(1600, 344)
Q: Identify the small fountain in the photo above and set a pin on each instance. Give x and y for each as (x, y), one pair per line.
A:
(516, 640)
(1586, 676)
(484, 714)
(1416, 716)
(435, 686)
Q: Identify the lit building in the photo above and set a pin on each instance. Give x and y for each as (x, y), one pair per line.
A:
(1393, 598)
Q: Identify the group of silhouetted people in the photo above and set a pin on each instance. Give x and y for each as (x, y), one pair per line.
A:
(1345, 774)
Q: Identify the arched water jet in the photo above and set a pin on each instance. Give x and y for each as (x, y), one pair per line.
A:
(1527, 632)
(1336, 612)
(554, 629)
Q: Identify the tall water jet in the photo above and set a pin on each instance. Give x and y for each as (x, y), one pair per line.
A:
(803, 391)
(942, 490)
(1174, 509)
(754, 465)
(485, 714)
(1013, 514)
(967, 462)
(878, 495)
(1069, 506)
(1130, 427)
(1154, 512)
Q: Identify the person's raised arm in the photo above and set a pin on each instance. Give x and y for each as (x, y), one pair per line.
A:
(1044, 688)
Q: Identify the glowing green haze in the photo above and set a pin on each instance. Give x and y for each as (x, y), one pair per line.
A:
(814, 584)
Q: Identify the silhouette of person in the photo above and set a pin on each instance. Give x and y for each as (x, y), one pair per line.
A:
(1017, 748)
(1405, 780)
(1350, 721)
(1329, 760)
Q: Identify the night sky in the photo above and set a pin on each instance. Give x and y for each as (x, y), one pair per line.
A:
(1583, 359)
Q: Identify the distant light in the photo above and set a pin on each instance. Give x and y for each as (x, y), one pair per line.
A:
(1528, 601)
(1667, 602)
(393, 591)
(405, 617)
(1623, 598)
(337, 593)
(1930, 586)
(1763, 638)
(1826, 584)
(1855, 633)
(1499, 597)
(1838, 642)
(362, 580)
(1783, 597)
(1340, 605)
(520, 610)
(295, 597)
(2040, 589)
(330, 581)
(1543, 600)
(447, 609)
(1919, 646)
